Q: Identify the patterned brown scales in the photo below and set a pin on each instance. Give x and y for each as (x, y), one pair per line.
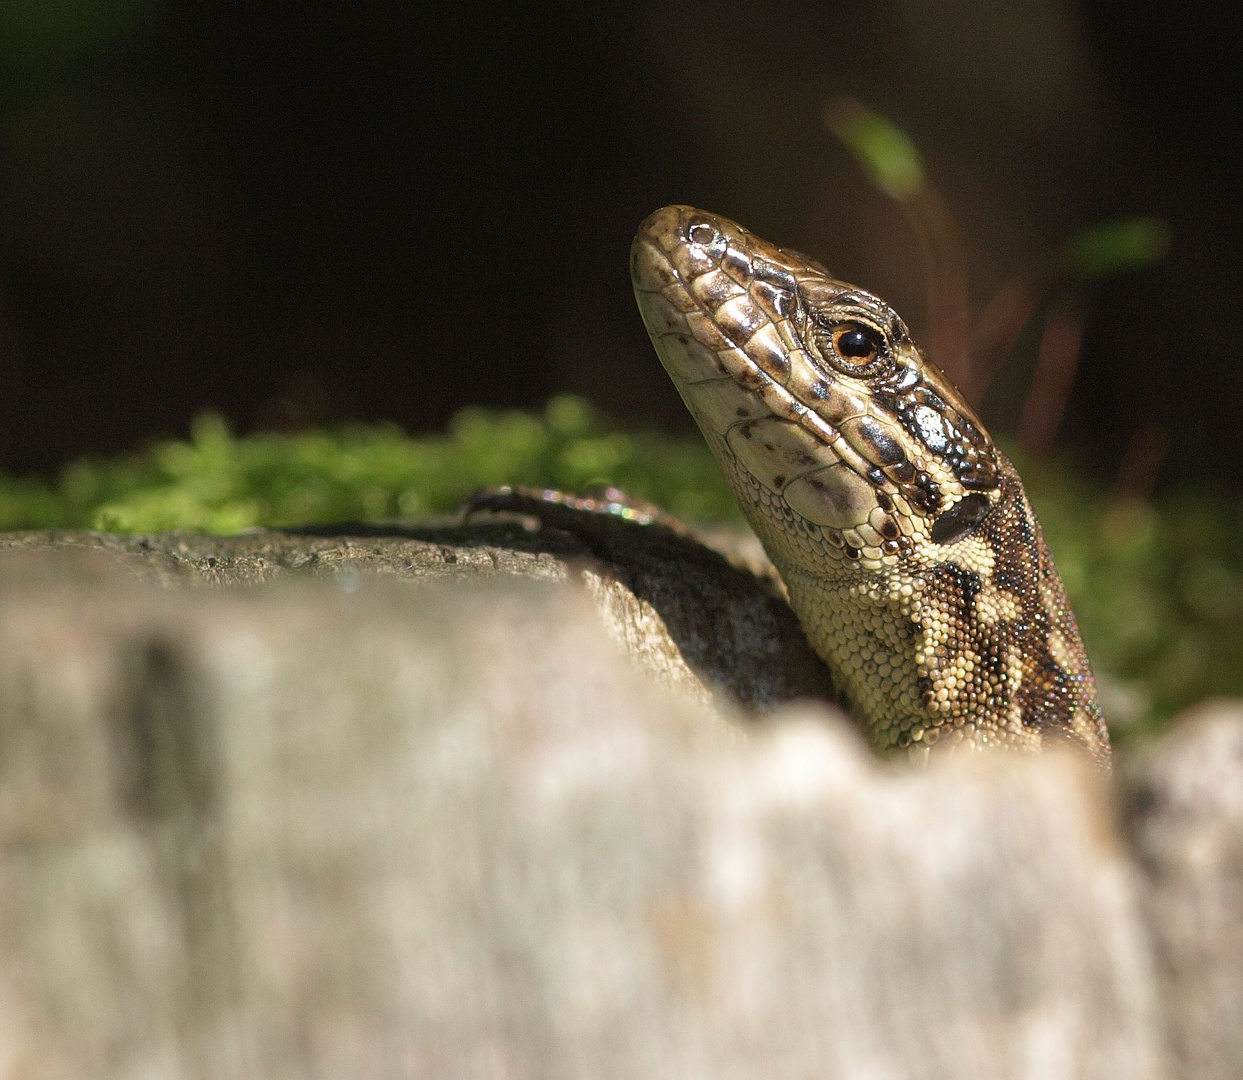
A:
(908, 547)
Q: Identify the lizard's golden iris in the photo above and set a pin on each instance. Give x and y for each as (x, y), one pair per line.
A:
(855, 344)
(853, 348)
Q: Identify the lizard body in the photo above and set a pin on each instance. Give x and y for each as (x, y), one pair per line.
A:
(908, 547)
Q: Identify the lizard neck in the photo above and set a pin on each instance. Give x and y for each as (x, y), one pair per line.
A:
(972, 642)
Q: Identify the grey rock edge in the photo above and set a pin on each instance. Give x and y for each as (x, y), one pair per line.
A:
(693, 617)
(405, 809)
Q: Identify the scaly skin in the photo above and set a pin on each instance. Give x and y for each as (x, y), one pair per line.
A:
(908, 547)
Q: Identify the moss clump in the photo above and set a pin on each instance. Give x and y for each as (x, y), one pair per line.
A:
(221, 483)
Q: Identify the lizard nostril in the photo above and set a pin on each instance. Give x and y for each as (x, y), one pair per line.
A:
(702, 234)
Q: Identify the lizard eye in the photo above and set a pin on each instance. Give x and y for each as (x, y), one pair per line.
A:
(857, 345)
(854, 348)
(702, 234)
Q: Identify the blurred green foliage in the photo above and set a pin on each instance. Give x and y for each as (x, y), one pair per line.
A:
(221, 483)
(887, 154)
(1113, 247)
(1157, 586)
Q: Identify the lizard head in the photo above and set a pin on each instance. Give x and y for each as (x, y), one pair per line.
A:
(810, 391)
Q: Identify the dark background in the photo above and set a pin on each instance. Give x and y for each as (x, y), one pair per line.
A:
(296, 213)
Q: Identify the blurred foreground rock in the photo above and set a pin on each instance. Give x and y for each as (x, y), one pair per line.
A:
(695, 620)
(341, 826)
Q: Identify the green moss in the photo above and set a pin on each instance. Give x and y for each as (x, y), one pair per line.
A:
(220, 483)
(1157, 587)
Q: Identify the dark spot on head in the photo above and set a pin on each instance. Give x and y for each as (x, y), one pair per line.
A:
(928, 488)
(746, 430)
(852, 552)
(889, 529)
(743, 412)
(884, 501)
(979, 476)
(921, 499)
(885, 446)
(876, 476)
(820, 389)
(959, 520)
(779, 480)
(888, 402)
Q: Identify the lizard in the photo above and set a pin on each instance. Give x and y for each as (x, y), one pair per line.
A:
(907, 545)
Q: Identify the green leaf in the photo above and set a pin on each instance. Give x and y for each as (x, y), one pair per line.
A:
(883, 148)
(1113, 247)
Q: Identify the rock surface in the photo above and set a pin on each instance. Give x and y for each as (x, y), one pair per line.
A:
(1186, 820)
(693, 618)
(333, 825)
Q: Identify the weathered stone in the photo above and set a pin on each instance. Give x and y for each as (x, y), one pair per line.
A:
(1186, 809)
(688, 615)
(363, 830)
(333, 824)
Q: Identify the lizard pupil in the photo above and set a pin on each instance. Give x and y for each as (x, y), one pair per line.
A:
(853, 342)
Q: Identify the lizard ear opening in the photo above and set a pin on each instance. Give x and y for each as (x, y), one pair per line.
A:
(960, 520)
